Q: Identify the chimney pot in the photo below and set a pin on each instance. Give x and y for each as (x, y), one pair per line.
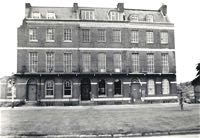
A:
(163, 9)
(27, 5)
(120, 7)
(75, 7)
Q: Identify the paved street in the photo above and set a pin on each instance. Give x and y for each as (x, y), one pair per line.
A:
(97, 120)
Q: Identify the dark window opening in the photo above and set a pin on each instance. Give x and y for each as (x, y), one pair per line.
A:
(102, 87)
(67, 88)
(117, 87)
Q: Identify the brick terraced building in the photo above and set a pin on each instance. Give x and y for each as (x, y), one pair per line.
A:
(72, 55)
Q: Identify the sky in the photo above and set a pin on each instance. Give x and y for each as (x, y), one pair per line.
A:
(183, 13)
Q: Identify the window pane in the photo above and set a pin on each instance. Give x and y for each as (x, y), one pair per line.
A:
(67, 35)
(117, 63)
(49, 62)
(67, 88)
(102, 62)
(85, 35)
(36, 15)
(116, 16)
(117, 87)
(165, 63)
(134, 37)
(150, 63)
(87, 15)
(50, 35)
(135, 62)
(149, 37)
(49, 85)
(164, 38)
(116, 36)
(32, 34)
(149, 18)
(134, 18)
(33, 62)
(67, 62)
(165, 86)
(86, 62)
(151, 87)
(102, 87)
(101, 35)
(51, 15)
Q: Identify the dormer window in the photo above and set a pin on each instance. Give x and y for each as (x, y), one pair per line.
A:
(116, 16)
(133, 18)
(36, 15)
(51, 15)
(149, 18)
(87, 15)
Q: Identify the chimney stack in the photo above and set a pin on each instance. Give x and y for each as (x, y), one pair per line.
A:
(163, 9)
(27, 10)
(75, 7)
(120, 7)
(27, 5)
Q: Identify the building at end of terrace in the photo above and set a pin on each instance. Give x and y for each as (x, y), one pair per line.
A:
(72, 55)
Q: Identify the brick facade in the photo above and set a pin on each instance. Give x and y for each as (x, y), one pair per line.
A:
(134, 86)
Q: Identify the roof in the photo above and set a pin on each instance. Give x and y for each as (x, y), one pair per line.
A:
(100, 14)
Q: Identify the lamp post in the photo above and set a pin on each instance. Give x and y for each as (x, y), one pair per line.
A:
(180, 98)
(13, 91)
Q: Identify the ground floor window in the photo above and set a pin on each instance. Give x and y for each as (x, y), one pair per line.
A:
(117, 87)
(151, 87)
(102, 87)
(49, 88)
(67, 88)
(165, 87)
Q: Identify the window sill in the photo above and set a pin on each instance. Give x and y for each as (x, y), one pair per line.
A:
(67, 96)
(33, 72)
(102, 96)
(33, 40)
(9, 97)
(67, 41)
(49, 96)
(150, 95)
(118, 95)
(50, 41)
(164, 43)
(134, 42)
(116, 41)
(101, 71)
(101, 41)
(166, 94)
(117, 70)
(150, 43)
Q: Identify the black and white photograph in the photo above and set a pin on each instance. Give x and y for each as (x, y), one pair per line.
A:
(100, 69)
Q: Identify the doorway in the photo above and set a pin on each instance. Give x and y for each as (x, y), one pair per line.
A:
(31, 90)
(85, 89)
(135, 90)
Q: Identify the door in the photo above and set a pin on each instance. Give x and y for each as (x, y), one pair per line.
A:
(136, 94)
(32, 92)
(85, 89)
